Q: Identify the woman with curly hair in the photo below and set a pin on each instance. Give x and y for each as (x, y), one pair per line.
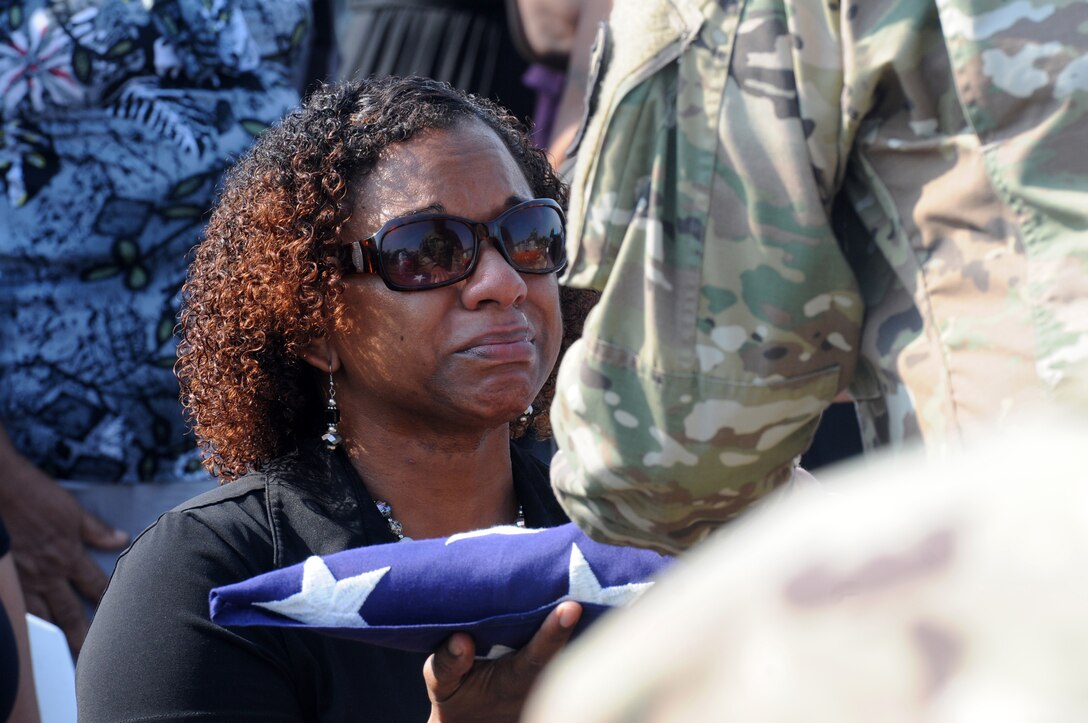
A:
(376, 299)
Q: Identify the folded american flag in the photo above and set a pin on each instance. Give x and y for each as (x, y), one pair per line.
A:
(498, 584)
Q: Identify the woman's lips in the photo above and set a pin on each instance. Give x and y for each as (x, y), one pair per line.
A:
(510, 351)
(506, 347)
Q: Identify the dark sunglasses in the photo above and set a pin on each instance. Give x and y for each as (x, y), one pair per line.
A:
(430, 250)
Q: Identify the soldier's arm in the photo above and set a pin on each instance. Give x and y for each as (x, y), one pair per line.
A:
(730, 317)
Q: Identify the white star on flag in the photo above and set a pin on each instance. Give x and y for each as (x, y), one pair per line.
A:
(584, 586)
(325, 601)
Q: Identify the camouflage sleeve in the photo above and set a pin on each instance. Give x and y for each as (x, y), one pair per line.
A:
(729, 317)
(706, 201)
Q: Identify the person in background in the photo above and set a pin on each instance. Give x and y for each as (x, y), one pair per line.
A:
(917, 590)
(466, 43)
(118, 118)
(783, 201)
(558, 37)
(349, 400)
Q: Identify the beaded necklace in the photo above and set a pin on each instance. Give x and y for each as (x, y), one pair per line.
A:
(397, 529)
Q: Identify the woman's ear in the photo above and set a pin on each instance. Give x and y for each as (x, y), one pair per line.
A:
(322, 354)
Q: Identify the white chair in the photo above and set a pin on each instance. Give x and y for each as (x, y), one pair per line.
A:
(54, 671)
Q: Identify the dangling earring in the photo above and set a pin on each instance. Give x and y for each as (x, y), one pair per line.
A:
(526, 415)
(331, 437)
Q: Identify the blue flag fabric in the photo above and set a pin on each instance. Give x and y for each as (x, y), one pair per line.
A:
(498, 584)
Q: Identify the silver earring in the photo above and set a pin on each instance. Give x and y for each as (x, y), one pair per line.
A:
(526, 415)
(331, 437)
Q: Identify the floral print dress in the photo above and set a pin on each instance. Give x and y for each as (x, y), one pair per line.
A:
(117, 119)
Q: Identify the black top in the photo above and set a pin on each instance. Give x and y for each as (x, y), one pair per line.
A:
(154, 654)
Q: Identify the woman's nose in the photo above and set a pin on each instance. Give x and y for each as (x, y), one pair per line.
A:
(494, 280)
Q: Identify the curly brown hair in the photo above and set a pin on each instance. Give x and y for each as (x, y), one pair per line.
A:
(266, 281)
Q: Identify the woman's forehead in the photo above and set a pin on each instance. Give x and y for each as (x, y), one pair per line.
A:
(465, 170)
(455, 151)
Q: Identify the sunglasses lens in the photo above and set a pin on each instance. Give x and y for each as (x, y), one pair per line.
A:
(424, 253)
(427, 252)
(534, 238)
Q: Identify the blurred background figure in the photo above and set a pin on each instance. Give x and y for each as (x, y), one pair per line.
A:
(118, 118)
(466, 43)
(559, 37)
(916, 592)
(532, 56)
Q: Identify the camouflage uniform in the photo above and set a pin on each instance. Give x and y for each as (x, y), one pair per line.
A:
(920, 592)
(784, 199)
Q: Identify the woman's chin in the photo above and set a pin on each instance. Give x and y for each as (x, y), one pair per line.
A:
(493, 416)
(504, 400)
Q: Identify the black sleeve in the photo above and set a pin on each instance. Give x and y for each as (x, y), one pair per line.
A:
(153, 653)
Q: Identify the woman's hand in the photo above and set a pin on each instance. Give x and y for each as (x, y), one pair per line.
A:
(462, 688)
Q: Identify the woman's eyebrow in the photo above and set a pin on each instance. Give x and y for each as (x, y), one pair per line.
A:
(436, 207)
(432, 208)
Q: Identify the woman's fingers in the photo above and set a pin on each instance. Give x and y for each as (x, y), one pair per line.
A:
(548, 640)
(445, 670)
(466, 690)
